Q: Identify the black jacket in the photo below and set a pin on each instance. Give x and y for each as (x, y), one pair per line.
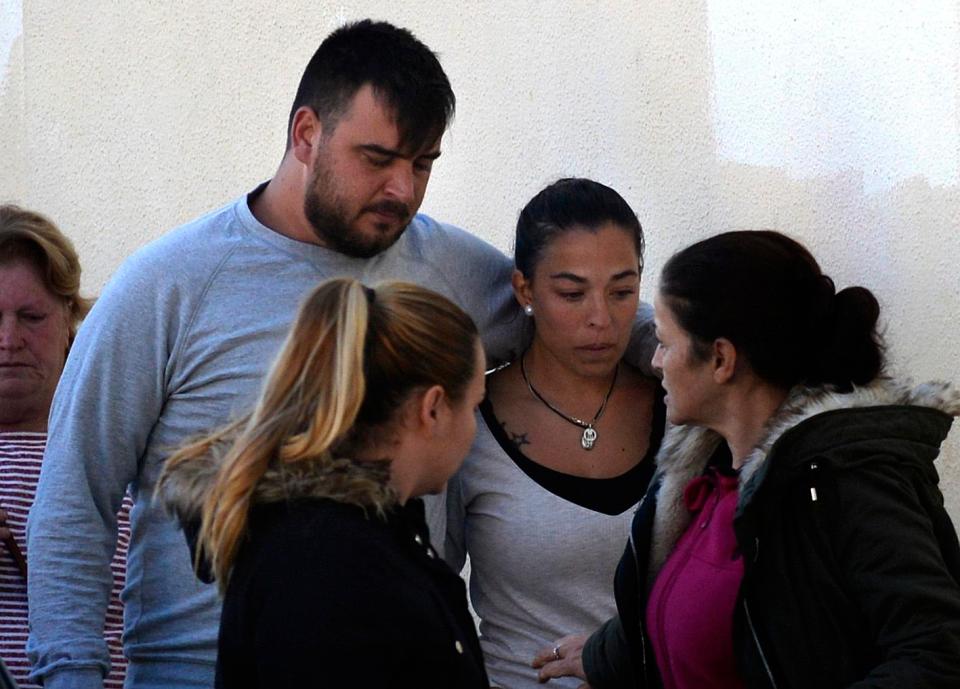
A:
(336, 586)
(852, 567)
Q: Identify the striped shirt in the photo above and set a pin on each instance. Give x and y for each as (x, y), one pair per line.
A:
(20, 458)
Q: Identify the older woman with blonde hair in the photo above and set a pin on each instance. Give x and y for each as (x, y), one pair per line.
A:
(40, 266)
(308, 505)
(40, 311)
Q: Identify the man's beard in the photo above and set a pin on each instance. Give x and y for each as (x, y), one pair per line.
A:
(329, 217)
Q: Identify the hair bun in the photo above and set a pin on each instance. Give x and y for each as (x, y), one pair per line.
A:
(852, 351)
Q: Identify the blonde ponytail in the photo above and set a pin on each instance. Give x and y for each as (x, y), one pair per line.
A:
(309, 402)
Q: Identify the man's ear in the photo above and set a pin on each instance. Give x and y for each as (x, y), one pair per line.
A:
(723, 359)
(521, 288)
(306, 131)
(430, 408)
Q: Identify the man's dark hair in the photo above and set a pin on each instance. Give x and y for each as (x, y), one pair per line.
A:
(403, 72)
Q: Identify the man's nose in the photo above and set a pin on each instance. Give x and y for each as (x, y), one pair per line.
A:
(400, 183)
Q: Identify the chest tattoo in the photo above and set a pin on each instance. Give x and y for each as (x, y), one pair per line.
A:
(518, 439)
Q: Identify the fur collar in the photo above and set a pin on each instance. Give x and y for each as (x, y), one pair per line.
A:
(365, 485)
(687, 449)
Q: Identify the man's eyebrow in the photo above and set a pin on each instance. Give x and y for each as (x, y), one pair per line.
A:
(625, 274)
(380, 150)
(377, 149)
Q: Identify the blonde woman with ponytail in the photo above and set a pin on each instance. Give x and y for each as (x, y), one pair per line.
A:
(308, 510)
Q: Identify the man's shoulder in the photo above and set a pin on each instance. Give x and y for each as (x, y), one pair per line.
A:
(432, 238)
(198, 241)
(172, 271)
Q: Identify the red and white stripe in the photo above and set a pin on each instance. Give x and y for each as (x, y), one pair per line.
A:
(20, 458)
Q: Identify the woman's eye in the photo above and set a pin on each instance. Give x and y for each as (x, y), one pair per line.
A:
(571, 296)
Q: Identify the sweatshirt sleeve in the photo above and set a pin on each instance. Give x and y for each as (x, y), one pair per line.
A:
(606, 657)
(108, 400)
(455, 548)
(478, 276)
(643, 341)
(490, 302)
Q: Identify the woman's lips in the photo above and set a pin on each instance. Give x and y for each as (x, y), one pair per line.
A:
(600, 352)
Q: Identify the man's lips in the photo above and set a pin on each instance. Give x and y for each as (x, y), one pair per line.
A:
(597, 347)
(389, 210)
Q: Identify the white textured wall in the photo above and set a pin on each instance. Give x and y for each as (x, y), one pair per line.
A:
(838, 122)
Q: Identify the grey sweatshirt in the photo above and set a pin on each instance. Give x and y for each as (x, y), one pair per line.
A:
(177, 344)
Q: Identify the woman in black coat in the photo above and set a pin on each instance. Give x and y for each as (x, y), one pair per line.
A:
(308, 506)
(794, 534)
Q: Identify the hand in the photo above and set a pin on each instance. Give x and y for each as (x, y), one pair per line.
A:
(6, 537)
(563, 659)
(4, 531)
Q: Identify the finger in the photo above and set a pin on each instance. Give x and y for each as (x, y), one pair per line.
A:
(557, 668)
(544, 656)
(3, 515)
(543, 676)
(549, 671)
(5, 533)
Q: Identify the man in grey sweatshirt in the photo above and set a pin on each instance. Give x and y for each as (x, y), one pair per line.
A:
(182, 335)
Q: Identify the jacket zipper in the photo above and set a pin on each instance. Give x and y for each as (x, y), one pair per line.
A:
(753, 631)
(643, 639)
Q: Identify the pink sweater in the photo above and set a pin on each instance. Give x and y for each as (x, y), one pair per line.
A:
(690, 610)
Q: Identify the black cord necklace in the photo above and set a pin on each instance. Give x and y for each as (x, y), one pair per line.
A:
(589, 437)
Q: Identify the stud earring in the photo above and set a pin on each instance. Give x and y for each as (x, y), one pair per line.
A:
(528, 309)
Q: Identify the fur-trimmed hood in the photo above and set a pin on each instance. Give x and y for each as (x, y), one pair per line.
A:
(686, 450)
(365, 485)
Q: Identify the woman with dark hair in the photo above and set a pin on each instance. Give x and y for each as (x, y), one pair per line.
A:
(794, 534)
(308, 506)
(566, 435)
(40, 311)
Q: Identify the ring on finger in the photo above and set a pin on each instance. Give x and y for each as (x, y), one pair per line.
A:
(556, 653)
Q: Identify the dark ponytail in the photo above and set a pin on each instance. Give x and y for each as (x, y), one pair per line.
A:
(767, 294)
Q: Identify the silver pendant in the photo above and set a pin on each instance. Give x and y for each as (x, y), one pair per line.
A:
(588, 438)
